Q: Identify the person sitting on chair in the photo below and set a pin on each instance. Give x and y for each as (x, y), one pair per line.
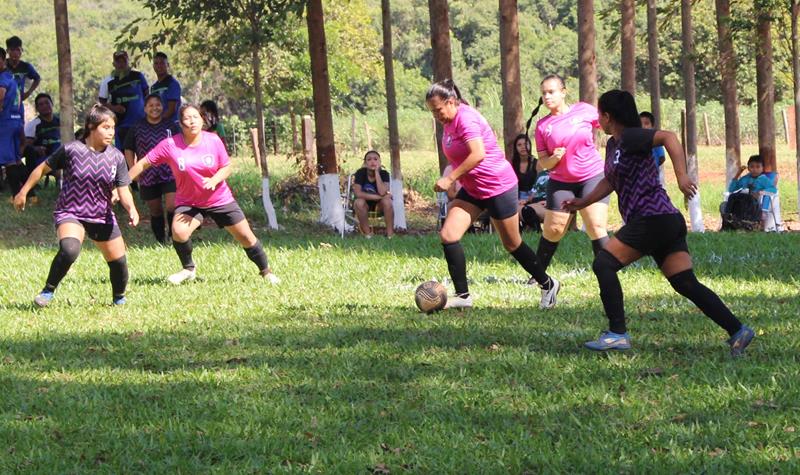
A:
(371, 187)
(756, 183)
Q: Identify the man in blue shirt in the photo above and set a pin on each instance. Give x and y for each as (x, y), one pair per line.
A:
(126, 96)
(21, 71)
(10, 125)
(167, 87)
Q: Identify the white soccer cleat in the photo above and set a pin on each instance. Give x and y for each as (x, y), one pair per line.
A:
(182, 276)
(455, 301)
(549, 296)
(272, 278)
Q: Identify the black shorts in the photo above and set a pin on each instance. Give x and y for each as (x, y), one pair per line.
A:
(225, 215)
(156, 191)
(501, 206)
(100, 232)
(559, 191)
(656, 236)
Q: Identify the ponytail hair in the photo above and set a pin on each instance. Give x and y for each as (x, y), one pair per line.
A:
(533, 114)
(96, 116)
(444, 90)
(621, 107)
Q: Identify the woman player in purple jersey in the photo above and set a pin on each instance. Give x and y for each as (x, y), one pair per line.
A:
(653, 226)
(93, 169)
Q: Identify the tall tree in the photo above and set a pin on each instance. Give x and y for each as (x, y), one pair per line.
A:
(331, 212)
(730, 101)
(690, 93)
(587, 59)
(442, 57)
(510, 74)
(628, 40)
(796, 77)
(64, 70)
(765, 85)
(652, 56)
(391, 109)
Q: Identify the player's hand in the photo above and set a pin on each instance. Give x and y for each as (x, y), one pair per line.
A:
(19, 201)
(209, 184)
(559, 153)
(442, 184)
(114, 196)
(573, 205)
(133, 217)
(687, 186)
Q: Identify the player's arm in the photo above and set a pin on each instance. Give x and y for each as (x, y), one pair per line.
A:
(221, 175)
(126, 200)
(548, 161)
(138, 167)
(33, 179)
(477, 153)
(599, 192)
(670, 141)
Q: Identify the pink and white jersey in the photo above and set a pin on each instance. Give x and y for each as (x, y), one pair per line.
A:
(190, 165)
(493, 175)
(574, 131)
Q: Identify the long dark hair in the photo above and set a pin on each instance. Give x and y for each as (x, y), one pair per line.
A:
(515, 158)
(444, 90)
(621, 107)
(96, 116)
(213, 113)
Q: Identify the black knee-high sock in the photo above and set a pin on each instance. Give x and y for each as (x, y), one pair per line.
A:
(170, 216)
(258, 256)
(599, 244)
(184, 250)
(457, 265)
(68, 250)
(118, 272)
(528, 260)
(545, 252)
(605, 267)
(157, 225)
(686, 284)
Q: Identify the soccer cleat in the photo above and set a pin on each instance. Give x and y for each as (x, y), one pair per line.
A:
(43, 299)
(740, 340)
(272, 278)
(119, 300)
(610, 341)
(457, 301)
(549, 295)
(182, 276)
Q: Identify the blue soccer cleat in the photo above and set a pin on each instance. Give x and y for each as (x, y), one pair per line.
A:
(43, 299)
(609, 340)
(740, 340)
(119, 300)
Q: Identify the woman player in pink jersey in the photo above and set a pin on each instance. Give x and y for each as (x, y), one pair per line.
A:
(565, 145)
(200, 164)
(488, 182)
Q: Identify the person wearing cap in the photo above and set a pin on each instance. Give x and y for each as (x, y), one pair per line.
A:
(126, 93)
(21, 71)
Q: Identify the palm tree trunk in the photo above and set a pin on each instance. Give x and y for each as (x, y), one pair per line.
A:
(690, 93)
(396, 184)
(628, 40)
(442, 59)
(64, 71)
(587, 60)
(730, 101)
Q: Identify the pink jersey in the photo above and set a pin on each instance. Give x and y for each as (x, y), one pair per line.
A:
(575, 132)
(493, 175)
(190, 165)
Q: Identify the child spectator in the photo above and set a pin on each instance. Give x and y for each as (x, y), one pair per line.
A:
(756, 183)
(649, 122)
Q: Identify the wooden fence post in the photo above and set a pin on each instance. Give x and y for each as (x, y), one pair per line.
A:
(254, 142)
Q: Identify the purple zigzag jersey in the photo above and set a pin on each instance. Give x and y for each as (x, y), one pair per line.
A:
(146, 136)
(632, 173)
(88, 179)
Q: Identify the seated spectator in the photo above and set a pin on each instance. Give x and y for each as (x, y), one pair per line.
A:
(525, 167)
(757, 184)
(211, 122)
(371, 188)
(42, 135)
(533, 210)
(649, 122)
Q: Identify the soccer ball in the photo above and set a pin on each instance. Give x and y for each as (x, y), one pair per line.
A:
(430, 296)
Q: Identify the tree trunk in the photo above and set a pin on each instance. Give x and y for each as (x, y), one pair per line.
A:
(331, 212)
(396, 185)
(266, 200)
(442, 61)
(730, 101)
(587, 60)
(765, 88)
(796, 76)
(652, 53)
(293, 119)
(690, 93)
(64, 71)
(510, 74)
(628, 40)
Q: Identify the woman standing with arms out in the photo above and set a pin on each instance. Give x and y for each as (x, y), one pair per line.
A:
(201, 165)
(155, 182)
(488, 182)
(653, 226)
(565, 145)
(92, 169)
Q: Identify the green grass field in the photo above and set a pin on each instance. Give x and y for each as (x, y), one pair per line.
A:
(334, 371)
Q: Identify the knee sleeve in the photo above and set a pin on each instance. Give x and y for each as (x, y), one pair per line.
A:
(685, 283)
(605, 262)
(68, 249)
